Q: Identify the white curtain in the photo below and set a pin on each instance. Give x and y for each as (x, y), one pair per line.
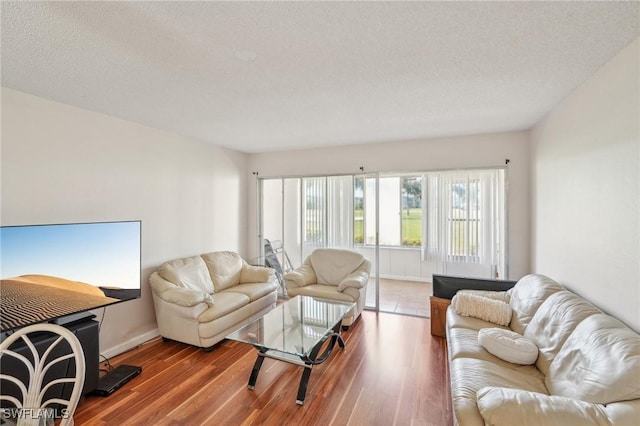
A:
(340, 211)
(328, 212)
(389, 211)
(463, 217)
(292, 220)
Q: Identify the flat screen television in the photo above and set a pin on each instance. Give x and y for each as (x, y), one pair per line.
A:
(52, 271)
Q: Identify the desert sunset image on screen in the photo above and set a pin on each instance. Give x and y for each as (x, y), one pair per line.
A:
(95, 258)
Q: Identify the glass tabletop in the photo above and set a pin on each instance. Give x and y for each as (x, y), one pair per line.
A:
(294, 327)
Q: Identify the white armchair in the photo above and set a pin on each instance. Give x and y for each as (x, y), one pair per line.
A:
(200, 299)
(333, 274)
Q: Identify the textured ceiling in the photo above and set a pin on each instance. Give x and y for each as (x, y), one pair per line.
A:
(265, 76)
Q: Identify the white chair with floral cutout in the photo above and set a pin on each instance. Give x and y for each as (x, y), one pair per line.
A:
(31, 408)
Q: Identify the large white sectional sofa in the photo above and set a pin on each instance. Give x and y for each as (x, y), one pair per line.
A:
(587, 370)
(199, 300)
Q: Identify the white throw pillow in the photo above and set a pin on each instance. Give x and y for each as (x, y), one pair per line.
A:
(471, 305)
(508, 345)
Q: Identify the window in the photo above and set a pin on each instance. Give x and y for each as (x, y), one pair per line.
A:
(411, 223)
(358, 210)
(364, 210)
(400, 211)
(464, 218)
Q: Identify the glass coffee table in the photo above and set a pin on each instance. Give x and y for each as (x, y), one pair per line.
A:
(295, 332)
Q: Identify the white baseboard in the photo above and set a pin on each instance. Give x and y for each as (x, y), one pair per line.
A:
(130, 344)
(404, 278)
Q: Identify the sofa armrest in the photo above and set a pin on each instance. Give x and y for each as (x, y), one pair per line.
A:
(256, 274)
(506, 406)
(357, 279)
(181, 296)
(301, 276)
(186, 297)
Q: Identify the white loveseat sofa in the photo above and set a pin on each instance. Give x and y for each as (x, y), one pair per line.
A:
(200, 299)
(587, 369)
(333, 274)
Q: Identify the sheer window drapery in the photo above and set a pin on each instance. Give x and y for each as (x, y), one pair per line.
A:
(463, 217)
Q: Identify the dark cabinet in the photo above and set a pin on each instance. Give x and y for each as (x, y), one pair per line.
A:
(86, 331)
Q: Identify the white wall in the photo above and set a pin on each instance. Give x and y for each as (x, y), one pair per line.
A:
(62, 164)
(487, 150)
(586, 210)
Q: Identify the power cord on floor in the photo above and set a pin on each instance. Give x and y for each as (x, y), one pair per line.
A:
(109, 366)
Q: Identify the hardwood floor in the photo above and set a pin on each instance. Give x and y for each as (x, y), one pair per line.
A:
(393, 372)
(401, 297)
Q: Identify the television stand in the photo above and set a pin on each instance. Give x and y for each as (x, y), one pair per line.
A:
(73, 318)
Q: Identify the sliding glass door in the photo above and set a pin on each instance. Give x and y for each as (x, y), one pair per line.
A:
(409, 225)
(280, 222)
(299, 215)
(366, 231)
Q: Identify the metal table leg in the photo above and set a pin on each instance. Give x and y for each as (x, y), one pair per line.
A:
(256, 369)
(314, 358)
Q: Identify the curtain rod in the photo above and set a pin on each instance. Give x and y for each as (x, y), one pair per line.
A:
(383, 173)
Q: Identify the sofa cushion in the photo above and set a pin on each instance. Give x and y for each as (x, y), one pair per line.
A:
(526, 297)
(223, 325)
(554, 321)
(463, 343)
(455, 320)
(485, 308)
(599, 363)
(469, 375)
(624, 412)
(255, 290)
(331, 266)
(266, 302)
(225, 268)
(225, 302)
(505, 407)
(256, 274)
(189, 272)
(508, 345)
(321, 291)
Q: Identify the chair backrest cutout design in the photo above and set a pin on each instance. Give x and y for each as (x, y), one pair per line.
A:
(41, 397)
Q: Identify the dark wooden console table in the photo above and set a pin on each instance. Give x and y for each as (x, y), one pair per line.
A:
(445, 287)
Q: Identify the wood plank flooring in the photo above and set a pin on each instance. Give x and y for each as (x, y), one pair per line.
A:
(401, 297)
(393, 372)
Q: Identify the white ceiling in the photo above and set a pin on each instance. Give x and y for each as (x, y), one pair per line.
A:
(265, 76)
